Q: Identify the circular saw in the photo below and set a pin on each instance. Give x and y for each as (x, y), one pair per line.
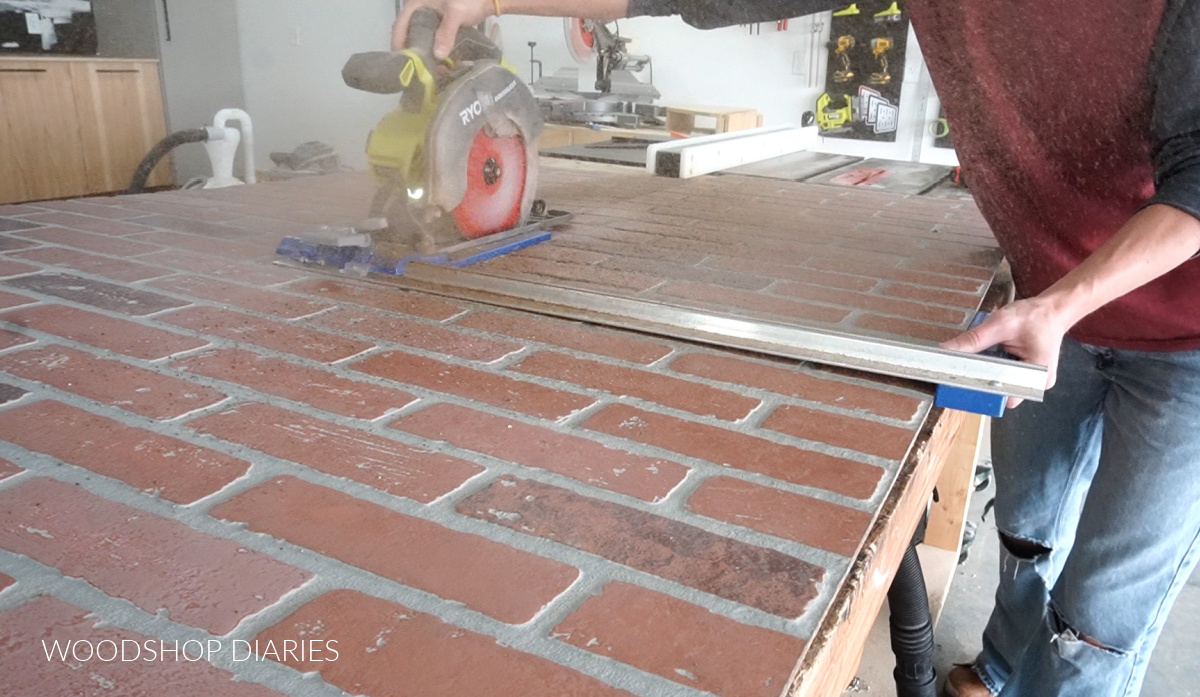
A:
(458, 157)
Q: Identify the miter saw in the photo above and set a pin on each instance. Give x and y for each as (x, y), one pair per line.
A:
(456, 161)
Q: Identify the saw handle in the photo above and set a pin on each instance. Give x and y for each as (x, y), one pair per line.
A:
(422, 30)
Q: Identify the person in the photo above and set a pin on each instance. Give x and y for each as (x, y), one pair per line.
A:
(1077, 124)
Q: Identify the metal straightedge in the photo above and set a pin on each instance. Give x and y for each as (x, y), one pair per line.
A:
(799, 341)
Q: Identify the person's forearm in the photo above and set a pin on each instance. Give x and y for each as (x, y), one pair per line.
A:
(593, 9)
(1154, 241)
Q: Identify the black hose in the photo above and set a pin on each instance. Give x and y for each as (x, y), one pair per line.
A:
(912, 630)
(138, 184)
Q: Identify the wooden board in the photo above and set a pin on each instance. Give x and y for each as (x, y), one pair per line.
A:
(42, 145)
(831, 658)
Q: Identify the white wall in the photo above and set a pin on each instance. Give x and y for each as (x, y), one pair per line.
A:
(292, 57)
(768, 71)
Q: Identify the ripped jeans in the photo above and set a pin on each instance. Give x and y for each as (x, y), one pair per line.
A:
(1098, 506)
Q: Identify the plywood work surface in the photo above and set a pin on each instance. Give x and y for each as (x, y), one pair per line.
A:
(196, 443)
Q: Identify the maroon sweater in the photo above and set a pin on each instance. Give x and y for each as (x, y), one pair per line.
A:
(1057, 111)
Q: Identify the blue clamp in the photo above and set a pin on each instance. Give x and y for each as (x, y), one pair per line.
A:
(974, 401)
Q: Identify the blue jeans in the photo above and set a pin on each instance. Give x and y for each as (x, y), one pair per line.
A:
(1098, 506)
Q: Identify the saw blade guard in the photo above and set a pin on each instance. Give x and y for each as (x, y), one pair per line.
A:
(488, 97)
(581, 42)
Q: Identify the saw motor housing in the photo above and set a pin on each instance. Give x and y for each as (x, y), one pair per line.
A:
(420, 151)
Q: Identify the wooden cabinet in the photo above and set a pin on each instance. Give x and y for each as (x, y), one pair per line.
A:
(70, 127)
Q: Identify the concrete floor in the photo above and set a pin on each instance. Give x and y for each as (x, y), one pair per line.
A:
(1171, 673)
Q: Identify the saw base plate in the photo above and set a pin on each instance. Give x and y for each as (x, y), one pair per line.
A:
(355, 252)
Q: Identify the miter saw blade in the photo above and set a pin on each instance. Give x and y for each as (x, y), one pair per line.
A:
(581, 43)
(496, 173)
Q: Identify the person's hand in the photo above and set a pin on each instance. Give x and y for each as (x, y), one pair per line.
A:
(455, 13)
(1031, 330)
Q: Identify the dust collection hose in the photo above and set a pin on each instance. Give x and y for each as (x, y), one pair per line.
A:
(138, 184)
(912, 630)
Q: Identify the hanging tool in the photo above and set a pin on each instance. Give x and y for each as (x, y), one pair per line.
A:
(890, 14)
(879, 49)
(847, 11)
(834, 118)
(845, 43)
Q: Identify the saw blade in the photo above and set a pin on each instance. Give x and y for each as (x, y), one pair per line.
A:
(495, 185)
(581, 44)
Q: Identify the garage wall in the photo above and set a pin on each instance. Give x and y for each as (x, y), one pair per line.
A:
(292, 56)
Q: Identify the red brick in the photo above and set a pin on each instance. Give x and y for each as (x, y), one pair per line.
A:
(323, 390)
(392, 300)
(206, 582)
(47, 620)
(103, 244)
(756, 576)
(14, 268)
(739, 450)
(388, 649)
(564, 253)
(5, 582)
(793, 273)
(379, 462)
(792, 382)
(10, 339)
(572, 335)
(113, 297)
(917, 277)
(235, 251)
(111, 208)
(8, 300)
(801, 518)
(112, 382)
(8, 469)
(240, 327)
(523, 267)
(873, 303)
(487, 576)
(931, 295)
(107, 267)
(422, 335)
(696, 294)
(973, 272)
(192, 226)
(260, 274)
(175, 470)
(646, 478)
(489, 388)
(255, 299)
(685, 272)
(88, 223)
(907, 329)
(652, 387)
(101, 331)
(869, 437)
(196, 210)
(682, 642)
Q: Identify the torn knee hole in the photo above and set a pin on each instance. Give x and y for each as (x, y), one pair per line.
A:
(1023, 549)
(1068, 635)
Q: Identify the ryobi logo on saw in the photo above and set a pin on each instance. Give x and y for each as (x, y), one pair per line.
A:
(475, 109)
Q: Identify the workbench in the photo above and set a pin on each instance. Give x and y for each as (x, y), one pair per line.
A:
(200, 445)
